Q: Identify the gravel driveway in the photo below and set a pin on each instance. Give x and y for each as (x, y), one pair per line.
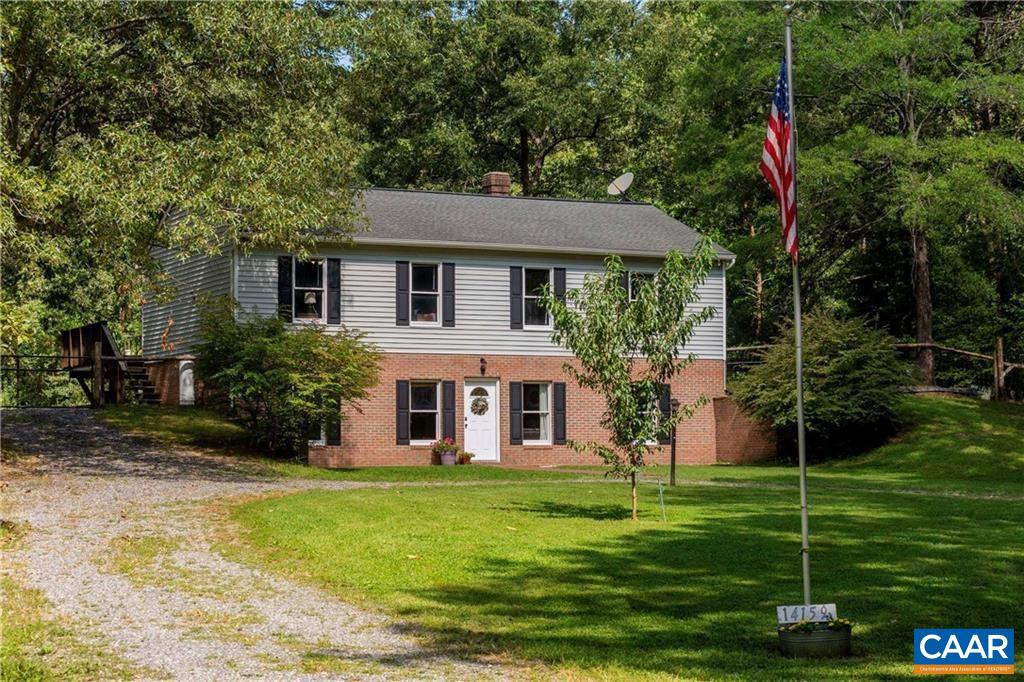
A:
(116, 544)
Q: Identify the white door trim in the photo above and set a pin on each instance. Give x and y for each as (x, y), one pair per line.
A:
(494, 386)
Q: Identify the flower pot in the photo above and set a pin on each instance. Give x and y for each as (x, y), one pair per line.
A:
(816, 644)
(448, 459)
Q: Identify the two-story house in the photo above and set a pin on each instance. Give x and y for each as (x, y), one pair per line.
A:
(446, 285)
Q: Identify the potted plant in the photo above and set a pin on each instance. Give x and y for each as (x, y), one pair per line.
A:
(446, 449)
(465, 457)
(807, 639)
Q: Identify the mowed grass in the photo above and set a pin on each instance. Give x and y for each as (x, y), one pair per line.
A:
(946, 445)
(192, 427)
(556, 573)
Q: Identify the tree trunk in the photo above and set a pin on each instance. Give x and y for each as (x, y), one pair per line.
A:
(524, 161)
(921, 274)
(633, 494)
(758, 296)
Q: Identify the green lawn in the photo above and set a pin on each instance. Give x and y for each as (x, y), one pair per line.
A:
(556, 573)
(204, 429)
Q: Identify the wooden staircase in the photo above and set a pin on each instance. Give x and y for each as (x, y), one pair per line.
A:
(91, 356)
(137, 384)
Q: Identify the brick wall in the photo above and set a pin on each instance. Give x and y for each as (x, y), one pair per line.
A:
(368, 436)
(738, 439)
(164, 375)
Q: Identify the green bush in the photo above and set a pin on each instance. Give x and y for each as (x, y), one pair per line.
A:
(852, 385)
(279, 381)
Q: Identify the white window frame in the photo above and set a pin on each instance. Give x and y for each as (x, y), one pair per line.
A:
(413, 292)
(550, 394)
(547, 326)
(656, 409)
(436, 411)
(632, 297)
(322, 289)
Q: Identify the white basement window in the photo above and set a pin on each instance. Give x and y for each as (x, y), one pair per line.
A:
(424, 417)
(309, 293)
(424, 294)
(534, 314)
(537, 414)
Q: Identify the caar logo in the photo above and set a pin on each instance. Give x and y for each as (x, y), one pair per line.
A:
(963, 651)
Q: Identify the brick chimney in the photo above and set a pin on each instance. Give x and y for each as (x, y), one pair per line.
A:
(497, 183)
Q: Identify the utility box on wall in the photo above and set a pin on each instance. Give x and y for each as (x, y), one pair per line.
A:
(186, 383)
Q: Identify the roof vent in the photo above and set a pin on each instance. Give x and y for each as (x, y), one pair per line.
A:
(497, 183)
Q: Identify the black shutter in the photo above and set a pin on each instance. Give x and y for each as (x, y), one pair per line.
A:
(559, 438)
(624, 282)
(515, 403)
(447, 294)
(515, 283)
(284, 287)
(402, 293)
(332, 428)
(333, 291)
(448, 409)
(665, 405)
(402, 412)
(560, 283)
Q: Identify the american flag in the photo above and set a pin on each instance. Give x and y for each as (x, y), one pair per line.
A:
(777, 159)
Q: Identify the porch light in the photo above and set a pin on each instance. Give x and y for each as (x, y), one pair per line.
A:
(483, 366)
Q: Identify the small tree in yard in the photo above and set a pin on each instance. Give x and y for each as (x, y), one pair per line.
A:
(627, 349)
(279, 382)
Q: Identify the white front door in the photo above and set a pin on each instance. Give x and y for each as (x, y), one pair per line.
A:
(480, 423)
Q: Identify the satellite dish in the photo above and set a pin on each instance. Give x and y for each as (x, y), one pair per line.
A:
(620, 185)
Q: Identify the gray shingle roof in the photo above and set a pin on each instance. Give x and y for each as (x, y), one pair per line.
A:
(523, 223)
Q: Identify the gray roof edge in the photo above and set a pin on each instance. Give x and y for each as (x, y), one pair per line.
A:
(723, 254)
(517, 197)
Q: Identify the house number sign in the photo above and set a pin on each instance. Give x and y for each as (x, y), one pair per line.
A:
(813, 613)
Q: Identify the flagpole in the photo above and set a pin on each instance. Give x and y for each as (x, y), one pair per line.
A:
(805, 547)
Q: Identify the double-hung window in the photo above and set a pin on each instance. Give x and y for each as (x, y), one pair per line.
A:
(424, 415)
(638, 280)
(424, 294)
(534, 314)
(309, 292)
(536, 413)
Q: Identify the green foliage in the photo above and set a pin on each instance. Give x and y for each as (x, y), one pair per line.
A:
(134, 124)
(627, 349)
(909, 119)
(280, 381)
(445, 91)
(852, 382)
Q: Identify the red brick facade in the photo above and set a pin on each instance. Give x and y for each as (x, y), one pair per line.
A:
(368, 437)
(738, 440)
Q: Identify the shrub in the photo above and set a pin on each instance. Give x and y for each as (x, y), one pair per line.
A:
(852, 384)
(279, 381)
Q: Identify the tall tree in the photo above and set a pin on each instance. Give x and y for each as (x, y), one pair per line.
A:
(544, 90)
(910, 139)
(133, 124)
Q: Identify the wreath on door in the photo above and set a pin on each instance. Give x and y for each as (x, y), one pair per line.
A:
(479, 406)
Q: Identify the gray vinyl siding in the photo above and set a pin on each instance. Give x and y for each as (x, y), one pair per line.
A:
(190, 278)
(481, 300)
